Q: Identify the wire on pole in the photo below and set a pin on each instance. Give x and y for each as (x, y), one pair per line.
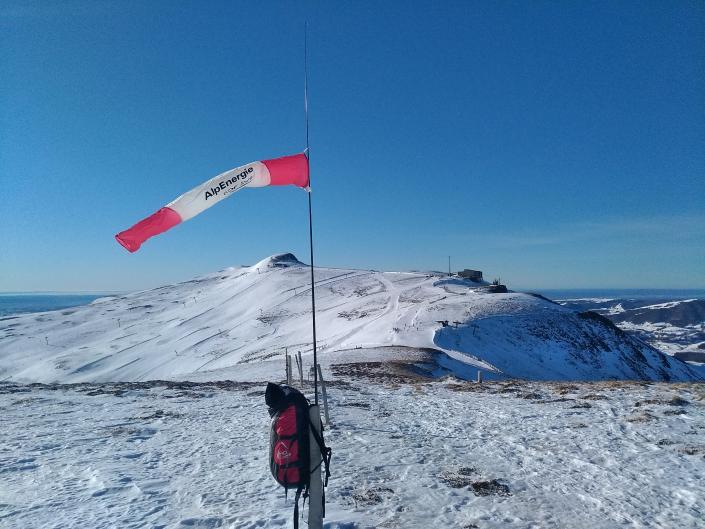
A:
(310, 220)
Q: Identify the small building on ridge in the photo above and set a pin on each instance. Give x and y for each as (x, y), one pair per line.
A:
(473, 275)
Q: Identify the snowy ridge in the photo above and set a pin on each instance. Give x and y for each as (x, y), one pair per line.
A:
(238, 323)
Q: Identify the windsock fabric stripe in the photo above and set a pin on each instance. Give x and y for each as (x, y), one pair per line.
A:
(287, 170)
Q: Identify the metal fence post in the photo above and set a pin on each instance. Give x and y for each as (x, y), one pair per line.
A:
(323, 394)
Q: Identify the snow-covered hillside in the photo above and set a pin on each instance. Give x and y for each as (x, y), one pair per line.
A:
(238, 323)
(671, 325)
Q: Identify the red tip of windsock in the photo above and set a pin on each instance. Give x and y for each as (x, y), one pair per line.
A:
(288, 170)
(153, 225)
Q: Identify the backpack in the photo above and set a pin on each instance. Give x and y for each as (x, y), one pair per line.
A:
(289, 456)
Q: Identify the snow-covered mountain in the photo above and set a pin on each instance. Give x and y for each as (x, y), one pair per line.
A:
(239, 322)
(671, 325)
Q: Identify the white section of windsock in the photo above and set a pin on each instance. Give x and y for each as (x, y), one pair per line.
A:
(212, 191)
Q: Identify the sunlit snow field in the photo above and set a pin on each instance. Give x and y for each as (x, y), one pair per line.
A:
(407, 452)
(414, 446)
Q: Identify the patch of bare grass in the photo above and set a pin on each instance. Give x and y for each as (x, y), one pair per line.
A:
(641, 418)
(371, 496)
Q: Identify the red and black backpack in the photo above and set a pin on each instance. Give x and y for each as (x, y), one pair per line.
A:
(289, 456)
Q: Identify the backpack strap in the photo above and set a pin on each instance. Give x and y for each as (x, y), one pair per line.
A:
(296, 507)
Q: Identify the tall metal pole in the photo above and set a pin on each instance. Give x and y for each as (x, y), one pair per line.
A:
(310, 221)
(315, 504)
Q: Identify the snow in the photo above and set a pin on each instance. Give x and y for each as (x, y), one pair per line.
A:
(671, 326)
(407, 452)
(669, 304)
(585, 300)
(238, 323)
(414, 445)
(616, 309)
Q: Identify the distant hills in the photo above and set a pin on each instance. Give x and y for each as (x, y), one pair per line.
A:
(671, 325)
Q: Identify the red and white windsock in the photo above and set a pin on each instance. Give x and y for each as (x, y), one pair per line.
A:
(276, 172)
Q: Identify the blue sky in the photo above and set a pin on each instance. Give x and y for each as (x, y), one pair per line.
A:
(553, 144)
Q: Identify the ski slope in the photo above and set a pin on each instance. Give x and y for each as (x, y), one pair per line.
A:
(239, 322)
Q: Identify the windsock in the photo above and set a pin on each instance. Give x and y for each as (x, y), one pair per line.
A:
(276, 172)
